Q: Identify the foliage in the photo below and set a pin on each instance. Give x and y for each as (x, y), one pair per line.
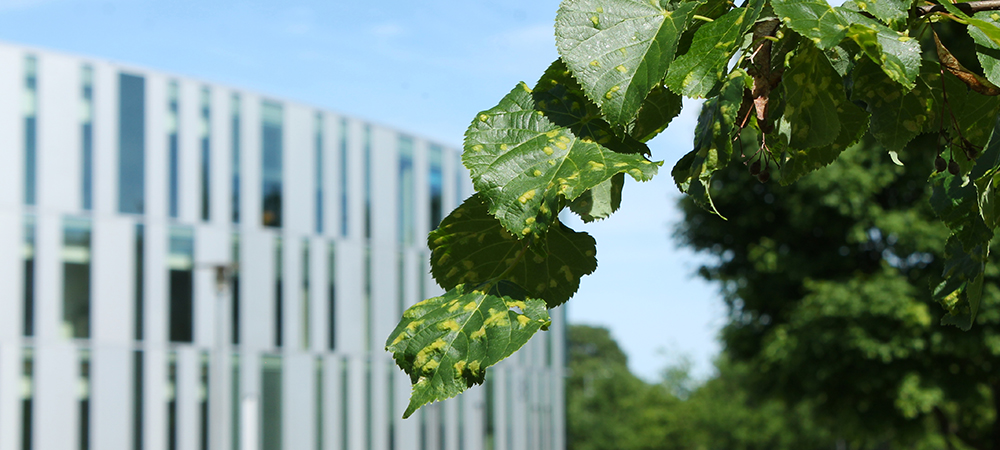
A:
(797, 81)
(827, 286)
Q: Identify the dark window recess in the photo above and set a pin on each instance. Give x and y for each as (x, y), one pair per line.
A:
(181, 283)
(271, 169)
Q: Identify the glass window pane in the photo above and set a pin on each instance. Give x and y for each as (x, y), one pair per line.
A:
(87, 137)
(332, 297)
(29, 275)
(131, 143)
(278, 300)
(206, 159)
(173, 150)
(140, 263)
(319, 173)
(271, 402)
(367, 174)
(235, 141)
(181, 266)
(30, 124)
(406, 191)
(76, 278)
(304, 312)
(271, 168)
(235, 288)
(436, 185)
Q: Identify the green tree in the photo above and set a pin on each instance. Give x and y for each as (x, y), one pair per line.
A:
(827, 287)
(798, 80)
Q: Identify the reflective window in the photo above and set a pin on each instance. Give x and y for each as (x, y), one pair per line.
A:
(279, 309)
(304, 312)
(235, 142)
(140, 263)
(206, 159)
(203, 396)
(29, 275)
(332, 297)
(84, 400)
(76, 278)
(181, 266)
(138, 399)
(343, 177)
(271, 168)
(406, 191)
(27, 399)
(131, 143)
(234, 288)
(87, 137)
(436, 179)
(368, 180)
(172, 402)
(271, 403)
(173, 150)
(30, 128)
(319, 173)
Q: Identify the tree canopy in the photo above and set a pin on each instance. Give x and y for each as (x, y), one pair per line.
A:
(788, 86)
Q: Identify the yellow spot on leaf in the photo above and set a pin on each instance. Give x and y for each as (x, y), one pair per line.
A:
(469, 306)
(431, 365)
(611, 91)
(452, 272)
(503, 147)
(537, 172)
(459, 367)
(474, 367)
(594, 165)
(621, 69)
(595, 20)
(468, 264)
(450, 324)
(523, 320)
(477, 148)
(412, 326)
(561, 145)
(595, 63)
(497, 319)
(529, 221)
(552, 162)
(483, 117)
(399, 338)
(478, 334)
(526, 230)
(547, 150)
(552, 134)
(524, 198)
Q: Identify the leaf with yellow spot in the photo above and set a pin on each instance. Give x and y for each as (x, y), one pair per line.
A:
(713, 142)
(634, 42)
(549, 155)
(449, 351)
(600, 201)
(816, 20)
(658, 109)
(471, 241)
(699, 71)
(897, 54)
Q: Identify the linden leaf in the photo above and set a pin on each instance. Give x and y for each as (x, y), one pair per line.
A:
(813, 91)
(620, 49)
(446, 343)
(814, 19)
(658, 109)
(897, 54)
(961, 291)
(889, 12)
(897, 115)
(523, 162)
(713, 145)
(600, 201)
(987, 50)
(471, 247)
(703, 67)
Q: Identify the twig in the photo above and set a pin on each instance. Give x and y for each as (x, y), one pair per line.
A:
(969, 8)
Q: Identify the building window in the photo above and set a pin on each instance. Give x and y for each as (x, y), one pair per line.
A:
(84, 400)
(406, 191)
(343, 178)
(206, 157)
(29, 275)
(138, 399)
(319, 173)
(140, 263)
(271, 169)
(368, 180)
(181, 266)
(235, 141)
(131, 143)
(278, 300)
(30, 128)
(271, 402)
(203, 396)
(436, 179)
(331, 316)
(27, 399)
(237, 402)
(173, 150)
(319, 404)
(76, 278)
(172, 402)
(87, 137)
(234, 289)
(368, 315)
(304, 312)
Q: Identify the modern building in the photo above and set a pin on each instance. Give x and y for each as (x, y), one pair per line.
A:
(188, 266)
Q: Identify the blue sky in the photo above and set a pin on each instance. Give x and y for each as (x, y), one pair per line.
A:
(426, 67)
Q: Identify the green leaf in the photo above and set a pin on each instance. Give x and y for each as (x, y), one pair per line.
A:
(471, 247)
(961, 291)
(713, 145)
(814, 19)
(988, 28)
(619, 49)
(897, 115)
(896, 53)
(658, 109)
(697, 72)
(523, 163)
(853, 124)
(601, 201)
(987, 50)
(446, 343)
(888, 11)
(813, 92)
(956, 203)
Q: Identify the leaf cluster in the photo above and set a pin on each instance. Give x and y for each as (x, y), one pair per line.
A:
(795, 81)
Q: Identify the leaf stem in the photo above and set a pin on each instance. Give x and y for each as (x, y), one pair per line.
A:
(969, 8)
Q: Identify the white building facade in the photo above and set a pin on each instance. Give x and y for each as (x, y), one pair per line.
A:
(188, 266)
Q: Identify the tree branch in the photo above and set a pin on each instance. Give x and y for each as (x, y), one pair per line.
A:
(969, 8)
